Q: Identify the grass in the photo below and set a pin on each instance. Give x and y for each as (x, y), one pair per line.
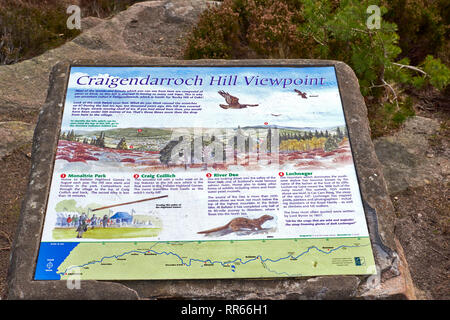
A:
(106, 233)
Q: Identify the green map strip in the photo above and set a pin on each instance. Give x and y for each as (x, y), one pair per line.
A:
(219, 259)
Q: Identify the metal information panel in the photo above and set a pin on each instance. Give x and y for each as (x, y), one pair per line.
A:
(204, 172)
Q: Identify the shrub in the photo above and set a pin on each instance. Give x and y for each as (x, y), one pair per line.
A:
(272, 30)
(322, 29)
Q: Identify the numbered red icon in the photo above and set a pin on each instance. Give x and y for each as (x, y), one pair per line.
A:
(63, 175)
(131, 147)
(208, 175)
(136, 176)
(281, 174)
(266, 123)
(139, 130)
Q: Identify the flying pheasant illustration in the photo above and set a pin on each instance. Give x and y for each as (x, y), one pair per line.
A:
(233, 102)
(302, 94)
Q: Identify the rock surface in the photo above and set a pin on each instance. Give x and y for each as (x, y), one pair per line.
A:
(157, 29)
(392, 280)
(407, 158)
(152, 28)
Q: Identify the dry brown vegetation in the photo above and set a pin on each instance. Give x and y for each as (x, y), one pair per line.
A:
(31, 27)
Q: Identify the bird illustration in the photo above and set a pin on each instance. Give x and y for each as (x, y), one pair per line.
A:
(302, 94)
(233, 102)
(275, 115)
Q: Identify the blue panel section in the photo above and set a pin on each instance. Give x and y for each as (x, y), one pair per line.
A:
(51, 255)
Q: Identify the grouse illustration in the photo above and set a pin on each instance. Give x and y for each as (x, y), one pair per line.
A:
(302, 94)
(233, 102)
